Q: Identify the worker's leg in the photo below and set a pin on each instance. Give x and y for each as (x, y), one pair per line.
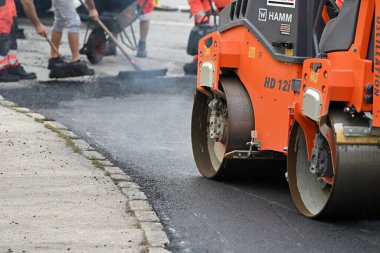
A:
(144, 28)
(6, 21)
(5, 41)
(74, 45)
(56, 38)
(14, 67)
(56, 35)
(66, 17)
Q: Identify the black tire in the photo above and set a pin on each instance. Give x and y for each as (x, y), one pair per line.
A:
(96, 46)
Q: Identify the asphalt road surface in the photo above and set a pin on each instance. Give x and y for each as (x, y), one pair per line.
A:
(144, 127)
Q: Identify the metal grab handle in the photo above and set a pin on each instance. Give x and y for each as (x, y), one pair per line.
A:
(317, 24)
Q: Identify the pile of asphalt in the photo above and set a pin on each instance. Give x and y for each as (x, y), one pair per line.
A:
(50, 93)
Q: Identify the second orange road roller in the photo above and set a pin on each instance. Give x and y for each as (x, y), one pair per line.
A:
(296, 80)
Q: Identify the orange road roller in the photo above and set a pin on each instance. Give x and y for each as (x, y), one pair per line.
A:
(296, 80)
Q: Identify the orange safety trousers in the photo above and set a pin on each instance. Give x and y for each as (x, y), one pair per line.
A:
(8, 27)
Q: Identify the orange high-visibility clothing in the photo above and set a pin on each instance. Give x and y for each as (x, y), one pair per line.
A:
(339, 3)
(149, 7)
(199, 8)
(8, 43)
(7, 12)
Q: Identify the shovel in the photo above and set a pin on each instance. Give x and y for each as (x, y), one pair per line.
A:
(53, 47)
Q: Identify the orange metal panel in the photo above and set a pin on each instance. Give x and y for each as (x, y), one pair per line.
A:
(320, 81)
(342, 85)
(268, 83)
(359, 73)
(376, 86)
(230, 54)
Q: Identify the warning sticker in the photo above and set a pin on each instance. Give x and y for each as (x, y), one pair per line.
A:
(282, 3)
(285, 29)
(207, 51)
(314, 77)
(252, 52)
(289, 52)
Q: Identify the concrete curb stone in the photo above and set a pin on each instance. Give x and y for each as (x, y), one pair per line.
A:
(55, 124)
(137, 202)
(140, 205)
(70, 134)
(93, 155)
(7, 103)
(157, 238)
(22, 109)
(157, 250)
(106, 163)
(83, 145)
(128, 185)
(120, 178)
(114, 170)
(149, 216)
(36, 116)
(151, 225)
(134, 194)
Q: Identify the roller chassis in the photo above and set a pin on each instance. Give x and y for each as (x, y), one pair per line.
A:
(322, 113)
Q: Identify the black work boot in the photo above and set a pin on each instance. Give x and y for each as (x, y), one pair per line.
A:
(5, 77)
(71, 69)
(55, 61)
(141, 50)
(191, 68)
(80, 68)
(21, 73)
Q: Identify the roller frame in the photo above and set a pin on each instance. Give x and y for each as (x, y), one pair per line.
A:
(340, 81)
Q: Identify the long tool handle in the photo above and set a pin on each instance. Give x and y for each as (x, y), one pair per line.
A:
(53, 47)
(118, 44)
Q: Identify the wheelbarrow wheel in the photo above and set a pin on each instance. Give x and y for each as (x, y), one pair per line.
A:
(96, 46)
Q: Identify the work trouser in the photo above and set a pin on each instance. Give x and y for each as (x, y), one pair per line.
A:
(65, 16)
(8, 48)
(8, 34)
